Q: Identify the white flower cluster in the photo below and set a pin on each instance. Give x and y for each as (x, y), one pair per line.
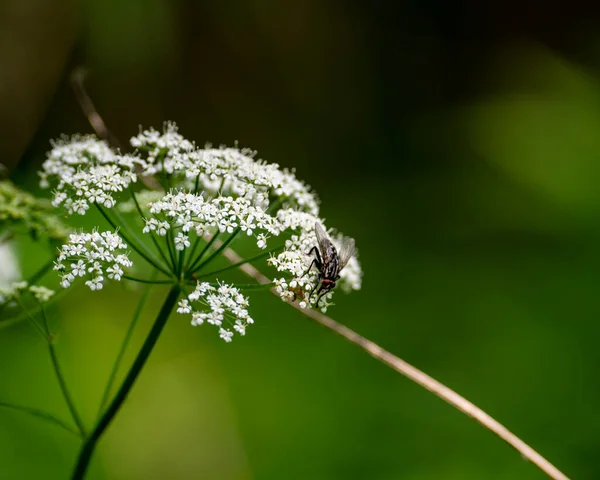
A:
(225, 170)
(91, 255)
(238, 172)
(15, 290)
(168, 151)
(87, 172)
(186, 212)
(221, 305)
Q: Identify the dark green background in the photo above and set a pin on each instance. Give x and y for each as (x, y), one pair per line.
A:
(459, 143)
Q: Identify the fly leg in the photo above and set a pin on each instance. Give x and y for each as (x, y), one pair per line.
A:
(316, 261)
(318, 284)
(320, 296)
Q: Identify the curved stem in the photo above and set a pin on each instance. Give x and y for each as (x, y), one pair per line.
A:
(29, 317)
(415, 375)
(41, 272)
(153, 282)
(216, 253)
(170, 240)
(241, 262)
(196, 261)
(89, 445)
(26, 314)
(43, 415)
(116, 365)
(191, 253)
(181, 256)
(61, 378)
(154, 241)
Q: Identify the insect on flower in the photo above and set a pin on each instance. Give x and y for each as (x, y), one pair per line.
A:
(328, 261)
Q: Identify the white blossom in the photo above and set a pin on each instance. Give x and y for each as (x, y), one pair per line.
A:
(224, 170)
(222, 305)
(87, 171)
(225, 334)
(168, 150)
(188, 212)
(91, 255)
(182, 241)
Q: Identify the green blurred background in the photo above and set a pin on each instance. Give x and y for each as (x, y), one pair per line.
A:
(458, 142)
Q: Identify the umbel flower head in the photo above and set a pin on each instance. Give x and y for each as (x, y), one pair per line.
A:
(92, 255)
(16, 290)
(203, 199)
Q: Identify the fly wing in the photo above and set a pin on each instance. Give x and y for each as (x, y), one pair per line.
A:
(347, 249)
(326, 248)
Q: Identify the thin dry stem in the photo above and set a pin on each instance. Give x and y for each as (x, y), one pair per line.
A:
(414, 374)
(87, 106)
(402, 367)
(95, 120)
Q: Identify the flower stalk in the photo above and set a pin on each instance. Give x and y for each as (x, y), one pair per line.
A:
(91, 441)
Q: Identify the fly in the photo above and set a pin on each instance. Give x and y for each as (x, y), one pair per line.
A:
(328, 261)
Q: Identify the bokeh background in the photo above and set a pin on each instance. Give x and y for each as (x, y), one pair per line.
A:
(458, 142)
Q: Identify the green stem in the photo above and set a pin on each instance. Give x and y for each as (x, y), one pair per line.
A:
(40, 273)
(61, 378)
(154, 241)
(242, 262)
(132, 244)
(170, 239)
(89, 445)
(35, 277)
(43, 415)
(180, 263)
(247, 286)
(35, 325)
(121, 353)
(193, 266)
(154, 282)
(25, 314)
(216, 253)
(197, 184)
(191, 253)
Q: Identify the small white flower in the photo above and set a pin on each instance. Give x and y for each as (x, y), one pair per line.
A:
(182, 241)
(196, 318)
(261, 241)
(184, 306)
(78, 269)
(115, 272)
(226, 335)
(240, 327)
